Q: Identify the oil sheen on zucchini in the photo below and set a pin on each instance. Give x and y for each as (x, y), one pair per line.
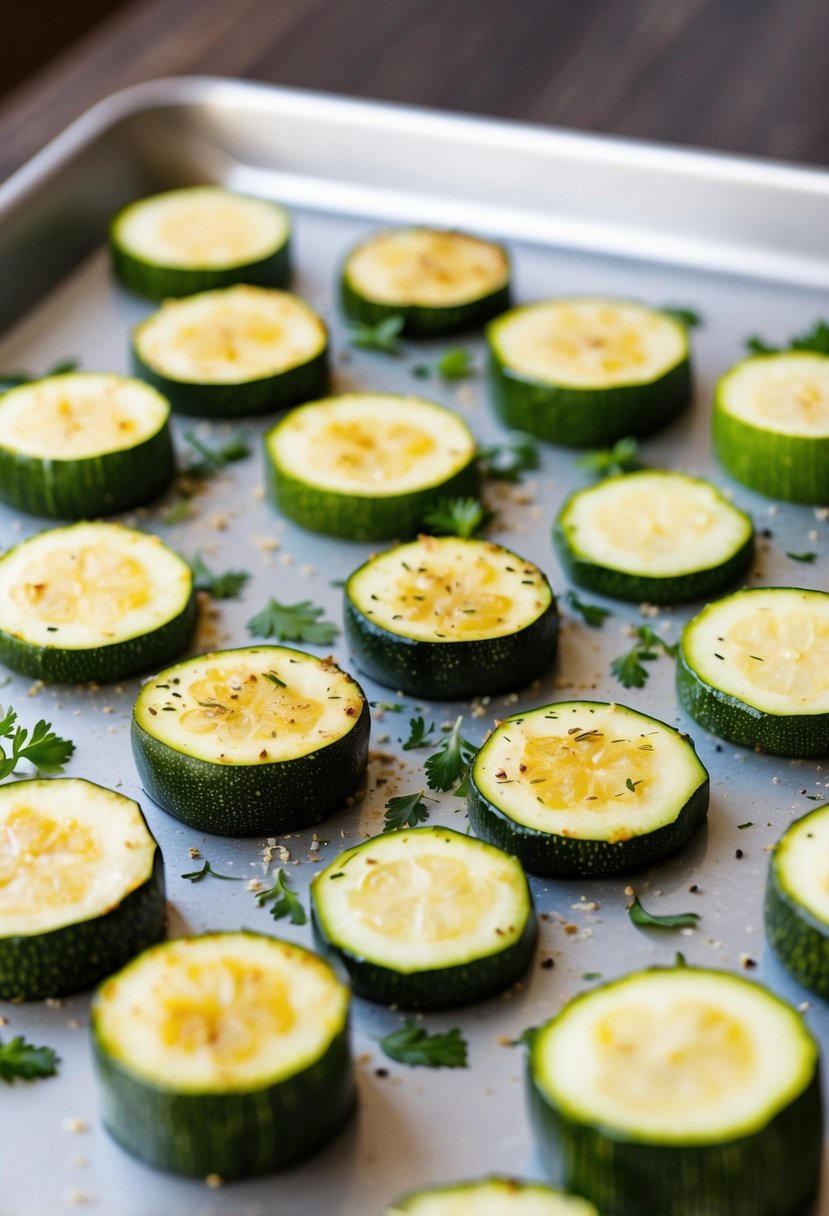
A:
(797, 901)
(754, 668)
(425, 918)
(681, 1091)
(584, 789)
(81, 886)
(368, 466)
(257, 741)
(584, 372)
(233, 352)
(653, 537)
(771, 425)
(438, 281)
(199, 238)
(223, 1054)
(448, 618)
(83, 444)
(491, 1197)
(93, 602)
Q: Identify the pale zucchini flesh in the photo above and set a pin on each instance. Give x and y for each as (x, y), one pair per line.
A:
(800, 862)
(491, 1197)
(426, 267)
(786, 394)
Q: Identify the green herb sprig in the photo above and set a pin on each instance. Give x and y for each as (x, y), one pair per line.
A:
(592, 614)
(413, 1045)
(384, 337)
(21, 1061)
(649, 920)
(507, 461)
(450, 763)
(207, 870)
(42, 748)
(293, 623)
(622, 458)
(284, 901)
(405, 811)
(225, 586)
(628, 668)
(463, 517)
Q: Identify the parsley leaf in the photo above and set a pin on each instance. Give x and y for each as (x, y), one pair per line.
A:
(455, 364)
(44, 749)
(293, 623)
(525, 1038)
(628, 668)
(413, 1045)
(451, 761)
(179, 510)
(648, 920)
(225, 586)
(198, 875)
(815, 339)
(21, 1060)
(802, 557)
(405, 811)
(462, 517)
(508, 460)
(213, 460)
(756, 346)
(383, 337)
(16, 378)
(623, 457)
(419, 734)
(284, 901)
(688, 317)
(593, 614)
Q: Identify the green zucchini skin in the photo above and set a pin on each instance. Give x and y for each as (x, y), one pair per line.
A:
(357, 516)
(799, 939)
(172, 282)
(448, 671)
(89, 487)
(103, 664)
(802, 736)
(753, 1175)
(77, 957)
(575, 417)
(265, 395)
(254, 799)
(423, 322)
(569, 857)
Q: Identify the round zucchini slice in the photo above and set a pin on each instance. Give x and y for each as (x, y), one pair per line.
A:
(754, 668)
(585, 372)
(199, 238)
(425, 918)
(233, 352)
(653, 536)
(93, 602)
(681, 1091)
(368, 466)
(449, 618)
(491, 1197)
(438, 281)
(771, 425)
(583, 789)
(257, 741)
(797, 901)
(81, 886)
(85, 444)
(223, 1054)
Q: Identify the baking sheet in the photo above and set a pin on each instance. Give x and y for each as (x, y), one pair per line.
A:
(413, 1126)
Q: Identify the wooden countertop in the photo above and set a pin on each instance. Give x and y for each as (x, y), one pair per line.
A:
(740, 75)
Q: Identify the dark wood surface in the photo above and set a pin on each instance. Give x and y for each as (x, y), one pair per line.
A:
(740, 75)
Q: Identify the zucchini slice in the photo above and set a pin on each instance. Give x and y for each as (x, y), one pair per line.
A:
(653, 536)
(233, 352)
(491, 1197)
(368, 466)
(223, 1054)
(85, 444)
(584, 789)
(754, 668)
(426, 918)
(81, 886)
(257, 741)
(93, 602)
(449, 618)
(797, 901)
(199, 238)
(680, 1091)
(585, 372)
(438, 281)
(771, 425)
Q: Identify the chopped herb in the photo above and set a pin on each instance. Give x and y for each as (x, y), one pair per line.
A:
(802, 557)
(383, 337)
(22, 1061)
(293, 623)
(274, 679)
(749, 823)
(592, 975)
(179, 510)
(631, 785)
(392, 707)
(462, 517)
(644, 919)
(413, 1045)
(44, 749)
(455, 364)
(284, 901)
(815, 339)
(688, 317)
(225, 586)
(623, 457)
(198, 875)
(450, 763)
(419, 734)
(526, 1037)
(679, 959)
(213, 460)
(508, 460)
(628, 668)
(593, 614)
(405, 811)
